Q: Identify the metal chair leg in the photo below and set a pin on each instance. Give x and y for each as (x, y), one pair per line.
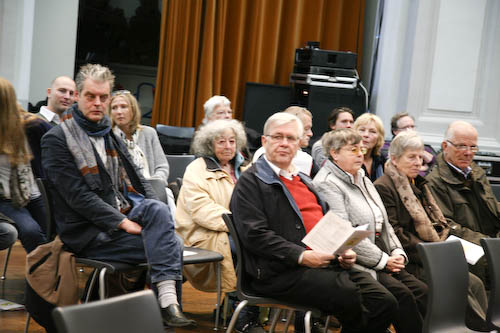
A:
(217, 309)
(274, 321)
(91, 284)
(289, 316)
(307, 322)
(102, 284)
(7, 256)
(27, 325)
(235, 315)
(327, 322)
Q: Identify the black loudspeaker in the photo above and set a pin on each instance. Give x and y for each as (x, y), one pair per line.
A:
(263, 100)
(322, 100)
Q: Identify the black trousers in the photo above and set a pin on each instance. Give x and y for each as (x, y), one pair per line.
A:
(411, 294)
(357, 300)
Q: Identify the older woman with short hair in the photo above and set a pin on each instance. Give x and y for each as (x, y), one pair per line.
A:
(415, 216)
(372, 132)
(351, 195)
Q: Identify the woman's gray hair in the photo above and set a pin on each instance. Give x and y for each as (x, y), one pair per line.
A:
(203, 142)
(339, 138)
(212, 103)
(407, 140)
(281, 118)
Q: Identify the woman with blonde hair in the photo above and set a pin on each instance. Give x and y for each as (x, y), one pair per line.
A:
(20, 199)
(371, 129)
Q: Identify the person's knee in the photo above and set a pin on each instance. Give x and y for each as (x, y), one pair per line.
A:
(8, 236)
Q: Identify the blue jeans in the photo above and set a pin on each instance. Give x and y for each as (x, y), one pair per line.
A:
(30, 221)
(157, 244)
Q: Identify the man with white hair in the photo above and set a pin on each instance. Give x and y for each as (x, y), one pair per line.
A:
(303, 161)
(274, 207)
(219, 107)
(462, 190)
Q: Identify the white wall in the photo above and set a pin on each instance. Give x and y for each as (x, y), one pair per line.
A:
(37, 43)
(54, 44)
(440, 61)
(16, 33)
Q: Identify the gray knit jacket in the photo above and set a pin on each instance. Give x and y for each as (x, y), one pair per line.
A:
(347, 200)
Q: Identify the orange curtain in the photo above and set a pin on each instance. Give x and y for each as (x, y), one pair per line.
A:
(213, 47)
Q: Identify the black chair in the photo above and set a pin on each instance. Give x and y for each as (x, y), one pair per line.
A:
(448, 280)
(178, 164)
(248, 296)
(492, 250)
(134, 312)
(174, 139)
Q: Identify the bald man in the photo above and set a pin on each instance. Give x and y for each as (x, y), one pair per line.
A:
(462, 190)
(60, 96)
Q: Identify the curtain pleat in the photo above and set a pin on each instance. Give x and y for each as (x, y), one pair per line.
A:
(213, 47)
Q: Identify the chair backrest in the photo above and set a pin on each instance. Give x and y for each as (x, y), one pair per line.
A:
(134, 312)
(49, 217)
(159, 188)
(492, 249)
(448, 279)
(242, 283)
(178, 164)
(496, 190)
(174, 139)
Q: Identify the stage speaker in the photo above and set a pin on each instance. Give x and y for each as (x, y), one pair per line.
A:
(322, 100)
(263, 100)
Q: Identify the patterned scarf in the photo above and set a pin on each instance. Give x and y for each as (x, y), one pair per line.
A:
(428, 217)
(20, 184)
(77, 130)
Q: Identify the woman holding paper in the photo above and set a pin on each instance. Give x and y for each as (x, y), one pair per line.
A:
(416, 217)
(351, 195)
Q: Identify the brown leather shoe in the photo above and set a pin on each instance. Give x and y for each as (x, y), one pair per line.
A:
(173, 317)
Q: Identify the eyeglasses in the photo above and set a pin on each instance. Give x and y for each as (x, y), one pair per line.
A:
(356, 150)
(473, 149)
(281, 138)
(120, 92)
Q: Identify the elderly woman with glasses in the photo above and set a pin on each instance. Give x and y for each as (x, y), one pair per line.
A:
(415, 215)
(351, 195)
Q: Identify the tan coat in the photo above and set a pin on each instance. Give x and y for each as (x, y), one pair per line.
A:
(204, 196)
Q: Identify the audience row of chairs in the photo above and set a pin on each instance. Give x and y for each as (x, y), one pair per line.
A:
(444, 262)
(448, 276)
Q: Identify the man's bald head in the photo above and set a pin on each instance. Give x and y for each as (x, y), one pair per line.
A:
(61, 94)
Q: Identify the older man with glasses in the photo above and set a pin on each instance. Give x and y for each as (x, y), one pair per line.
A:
(462, 190)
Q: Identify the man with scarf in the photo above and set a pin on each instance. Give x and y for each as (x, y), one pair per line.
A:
(105, 208)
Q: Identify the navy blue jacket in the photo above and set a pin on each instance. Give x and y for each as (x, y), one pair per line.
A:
(268, 220)
(80, 213)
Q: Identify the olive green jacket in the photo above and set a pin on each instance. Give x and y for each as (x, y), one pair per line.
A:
(457, 201)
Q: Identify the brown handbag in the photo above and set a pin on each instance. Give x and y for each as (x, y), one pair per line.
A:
(51, 273)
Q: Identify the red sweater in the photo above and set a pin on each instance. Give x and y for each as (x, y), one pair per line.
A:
(306, 201)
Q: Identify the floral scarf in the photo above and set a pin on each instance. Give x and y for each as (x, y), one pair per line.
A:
(426, 214)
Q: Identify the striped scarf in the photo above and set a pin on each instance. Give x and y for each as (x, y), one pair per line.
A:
(77, 130)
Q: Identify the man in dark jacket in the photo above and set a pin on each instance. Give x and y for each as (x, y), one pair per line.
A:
(462, 190)
(105, 209)
(272, 224)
